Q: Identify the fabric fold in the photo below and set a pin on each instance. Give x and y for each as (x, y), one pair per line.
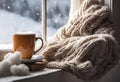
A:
(86, 45)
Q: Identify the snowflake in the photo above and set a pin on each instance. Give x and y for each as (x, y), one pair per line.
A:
(8, 7)
(37, 13)
(51, 10)
(55, 2)
(59, 14)
(56, 21)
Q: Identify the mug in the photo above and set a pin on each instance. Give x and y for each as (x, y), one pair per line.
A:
(25, 43)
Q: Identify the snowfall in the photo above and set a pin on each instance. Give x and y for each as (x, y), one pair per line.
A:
(13, 22)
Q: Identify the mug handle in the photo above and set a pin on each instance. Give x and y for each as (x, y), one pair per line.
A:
(40, 46)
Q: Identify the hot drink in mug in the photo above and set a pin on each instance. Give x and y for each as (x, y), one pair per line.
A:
(25, 43)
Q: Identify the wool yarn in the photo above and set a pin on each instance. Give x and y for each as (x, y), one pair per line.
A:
(86, 45)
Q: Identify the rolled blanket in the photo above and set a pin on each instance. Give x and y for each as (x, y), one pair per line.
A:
(85, 46)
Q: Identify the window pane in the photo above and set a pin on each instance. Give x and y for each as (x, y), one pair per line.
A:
(25, 15)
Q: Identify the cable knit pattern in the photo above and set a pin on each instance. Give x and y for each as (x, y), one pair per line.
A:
(86, 46)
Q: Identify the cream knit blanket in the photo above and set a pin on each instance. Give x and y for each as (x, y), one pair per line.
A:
(85, 46)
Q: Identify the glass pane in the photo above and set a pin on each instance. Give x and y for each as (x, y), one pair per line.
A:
(25, 15)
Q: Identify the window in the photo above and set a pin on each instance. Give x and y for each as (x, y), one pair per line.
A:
(25, 15)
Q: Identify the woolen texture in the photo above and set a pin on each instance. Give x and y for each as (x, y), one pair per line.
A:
(88, 45)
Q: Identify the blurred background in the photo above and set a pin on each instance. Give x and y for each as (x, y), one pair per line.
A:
(25, 15)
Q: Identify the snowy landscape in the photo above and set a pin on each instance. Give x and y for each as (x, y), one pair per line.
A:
(25, 15)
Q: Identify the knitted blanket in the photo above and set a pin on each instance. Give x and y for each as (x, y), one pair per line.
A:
(86, 45)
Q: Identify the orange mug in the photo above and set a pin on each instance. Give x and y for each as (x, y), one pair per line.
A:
(25, 43)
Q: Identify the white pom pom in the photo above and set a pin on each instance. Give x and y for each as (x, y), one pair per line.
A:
(9, 65)
(18, 53)
(4, 68)
(20, 70)
(7, 55)
(14, 58)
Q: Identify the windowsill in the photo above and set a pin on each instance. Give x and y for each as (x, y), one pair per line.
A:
(46, 75)
(57, 75)
(32, 76)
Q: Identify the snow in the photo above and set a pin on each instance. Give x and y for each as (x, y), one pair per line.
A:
(25, 15)
(11, 23)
